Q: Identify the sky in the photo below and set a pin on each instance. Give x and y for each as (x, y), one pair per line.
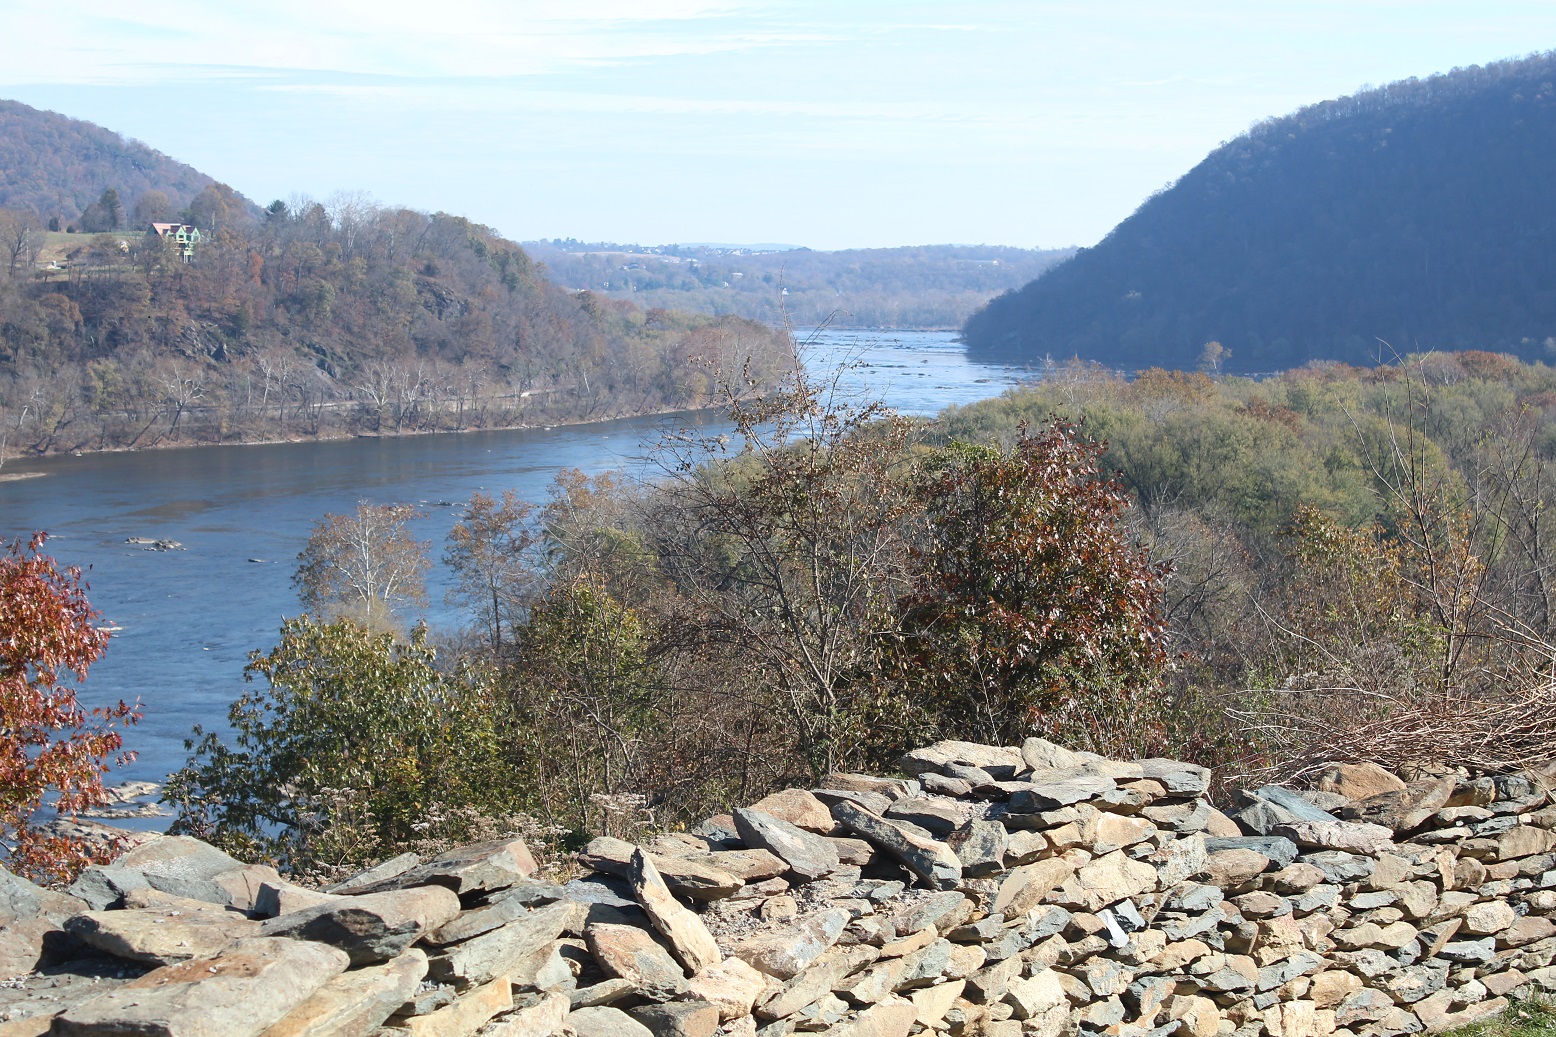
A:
(824, 123)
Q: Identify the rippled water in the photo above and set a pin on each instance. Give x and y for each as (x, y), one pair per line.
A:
(189, 618)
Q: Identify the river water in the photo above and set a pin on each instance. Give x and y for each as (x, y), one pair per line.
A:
(188, 619)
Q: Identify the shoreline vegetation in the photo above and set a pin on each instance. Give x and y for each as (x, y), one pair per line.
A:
(308, 321)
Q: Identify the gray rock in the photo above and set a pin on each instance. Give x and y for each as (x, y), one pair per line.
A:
(1000, 762)
(240, 993)
(1292, 803)
(480, 920)
(1474, 952)
(684, 1019)
(980, 846)
(1277, 848)
(504, 949)
(1182, 817)
(1192, 898)
(30, 917)
(687, 935)
(373, 927)
(605, 1022)
(187, 867)
(808, 855)
(938, 815)
(359, 882)
(1177, 777)
(103, 886)
(791, 950)
(605, 993)
(931, 860)
(1035, 798)
(690, 878)
(357, 1002)
(1339, 867)
(467, 870)
(158, 937)
(930, 910)
(1040, 754)
(874, 802)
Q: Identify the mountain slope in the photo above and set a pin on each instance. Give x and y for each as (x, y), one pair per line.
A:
(52, 165)
(1419, 214)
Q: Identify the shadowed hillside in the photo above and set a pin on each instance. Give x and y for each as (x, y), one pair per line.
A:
(1419, 213)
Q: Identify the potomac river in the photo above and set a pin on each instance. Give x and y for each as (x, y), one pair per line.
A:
(186, 620)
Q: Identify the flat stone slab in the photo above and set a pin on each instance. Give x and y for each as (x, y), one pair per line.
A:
(504, 949)
(808, 855)
(688, 876)
(477, 868)
(373, 927)
(158, 937)
(687, 935)
(933, 861)
(239, 993)
(786, 953)
(627, 952)
(357, 1002)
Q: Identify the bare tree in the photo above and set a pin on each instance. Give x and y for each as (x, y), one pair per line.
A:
(21, 236)
(361, 566)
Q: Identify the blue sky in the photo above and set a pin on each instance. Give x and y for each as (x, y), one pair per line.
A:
(833, 123)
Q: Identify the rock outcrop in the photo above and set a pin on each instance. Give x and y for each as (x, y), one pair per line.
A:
(998, 892)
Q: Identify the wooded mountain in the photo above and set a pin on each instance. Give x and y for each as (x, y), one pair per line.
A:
(1419, 213)
(55, 166)
(921, 286)
(313, 320)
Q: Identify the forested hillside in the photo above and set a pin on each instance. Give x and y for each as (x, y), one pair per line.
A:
(927, 286)
(1418, 214)
(57, 168)
(317, 323)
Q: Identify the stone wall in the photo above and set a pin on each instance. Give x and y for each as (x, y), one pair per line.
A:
(994, 892)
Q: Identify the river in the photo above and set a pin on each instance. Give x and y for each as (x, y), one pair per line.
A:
(187, 619)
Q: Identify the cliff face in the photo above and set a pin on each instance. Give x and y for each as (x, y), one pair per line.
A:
(993, 891)
(1416, 213)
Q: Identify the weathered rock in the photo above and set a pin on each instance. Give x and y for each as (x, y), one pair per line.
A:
(800, 808)
(605, 1022)
(806, 987)
(541, 1019)
(251, 986)
(1369, 839)
(363, 880)
(1025, 887)
(1053, 793)
(1400, 810)
(937, 815)
(606, 992)
(1292, 803)
(1107, 880)
(478, 920)
(751, 865)
(1229, 868)
(355, 1003)
(891, 1017)
(504, 949)
(808, 855)
(687, 935)
(1000, 762)
(103, 886)
(931, 860)
(158, 937)
(980, 846)
(682, 1019)
(29, 917)
(629, 953)
(1039, 754)
(1280, 850)
(1489, 917)
(372, 927)
(187, 867)
(930, 1004)
(1358, 781)
(731, 986)
(785, 953)
(688, 876)
(1177, 777)
(282, 898)
(467, 870)
(1339, 866)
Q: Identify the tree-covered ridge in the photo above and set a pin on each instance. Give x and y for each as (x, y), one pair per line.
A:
(57, 167)
(1418, 214)
(923, 286)
(320, 321)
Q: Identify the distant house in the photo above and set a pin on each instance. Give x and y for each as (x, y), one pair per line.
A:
(184, 236)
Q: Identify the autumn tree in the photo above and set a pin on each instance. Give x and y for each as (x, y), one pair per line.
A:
(1032, 609)
(362, 566)
(488, 552)
(53, 751)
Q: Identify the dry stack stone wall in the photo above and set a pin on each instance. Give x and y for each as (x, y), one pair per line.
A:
(993, 892)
